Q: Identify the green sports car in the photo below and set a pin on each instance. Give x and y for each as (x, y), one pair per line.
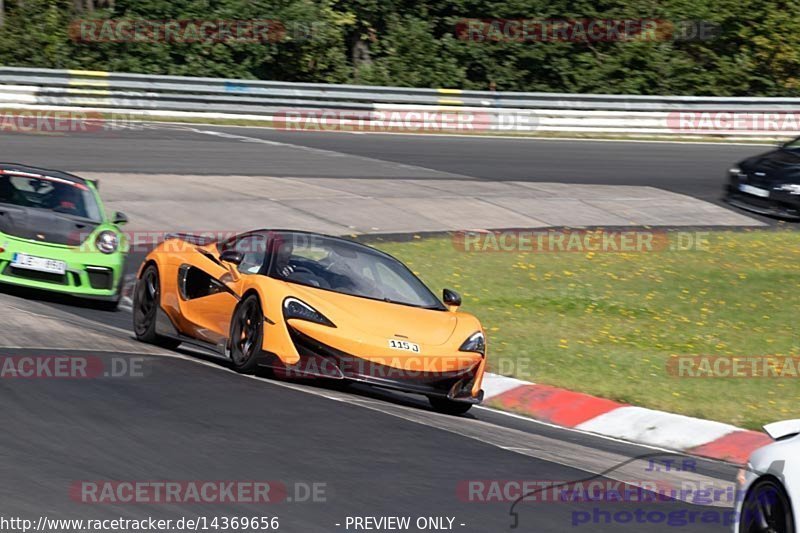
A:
(54, 235)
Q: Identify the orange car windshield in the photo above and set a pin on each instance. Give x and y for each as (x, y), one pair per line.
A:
(348, 268)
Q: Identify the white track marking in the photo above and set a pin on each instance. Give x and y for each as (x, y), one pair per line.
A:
(638, 424)
(580, 457)
(571, 455)
(584, 432)
(320, 392)
(477, 136)
(495, 385)
(323, 152)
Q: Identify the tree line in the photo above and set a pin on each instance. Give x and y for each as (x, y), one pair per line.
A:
(701, 47)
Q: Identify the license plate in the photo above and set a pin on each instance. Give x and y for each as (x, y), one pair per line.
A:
(755, 191)
(403, 345)
(41, 264)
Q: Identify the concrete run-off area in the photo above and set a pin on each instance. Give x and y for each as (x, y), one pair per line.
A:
(173, 202)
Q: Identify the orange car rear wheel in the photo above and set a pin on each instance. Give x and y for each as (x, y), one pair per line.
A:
(146, 301)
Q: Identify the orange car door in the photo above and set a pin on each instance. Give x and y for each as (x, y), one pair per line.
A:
(208, 295)
(212, 288)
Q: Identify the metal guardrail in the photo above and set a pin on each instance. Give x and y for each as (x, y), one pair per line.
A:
(176, 96)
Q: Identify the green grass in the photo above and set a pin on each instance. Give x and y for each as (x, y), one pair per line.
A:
(607, 323)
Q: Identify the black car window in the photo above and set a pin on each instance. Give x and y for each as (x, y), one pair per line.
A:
(61, 197)
(254, 249)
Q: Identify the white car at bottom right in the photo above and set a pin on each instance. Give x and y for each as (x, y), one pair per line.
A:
(770, 483)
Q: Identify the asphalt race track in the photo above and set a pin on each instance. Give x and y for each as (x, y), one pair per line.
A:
(694, 169)
(185, 421)
(370, 453)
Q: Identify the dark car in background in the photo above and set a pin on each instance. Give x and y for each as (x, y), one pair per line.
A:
(768, 183)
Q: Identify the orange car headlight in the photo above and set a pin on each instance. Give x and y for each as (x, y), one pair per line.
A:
(475, 343)
(294, 308)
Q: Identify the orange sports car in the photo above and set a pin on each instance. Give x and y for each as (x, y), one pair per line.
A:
(309, 305)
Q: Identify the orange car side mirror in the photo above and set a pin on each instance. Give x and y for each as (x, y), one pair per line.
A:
(232, 259)
(451, 299)
(232, 256)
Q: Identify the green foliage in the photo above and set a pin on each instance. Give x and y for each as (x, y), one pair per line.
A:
(410, 43)
(36, 34)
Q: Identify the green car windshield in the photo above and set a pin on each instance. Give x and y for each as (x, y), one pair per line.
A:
(794, 144)
(52, 194)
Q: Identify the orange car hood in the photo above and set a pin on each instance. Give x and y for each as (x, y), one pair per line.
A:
(375, 318)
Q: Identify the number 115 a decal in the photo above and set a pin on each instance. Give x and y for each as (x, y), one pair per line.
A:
(403, 345)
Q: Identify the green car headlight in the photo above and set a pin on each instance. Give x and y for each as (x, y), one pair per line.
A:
(107, 242)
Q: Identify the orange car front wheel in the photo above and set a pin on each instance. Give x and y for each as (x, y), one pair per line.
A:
(247, 332)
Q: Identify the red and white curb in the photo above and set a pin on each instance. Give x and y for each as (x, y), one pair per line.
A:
(584, 412)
